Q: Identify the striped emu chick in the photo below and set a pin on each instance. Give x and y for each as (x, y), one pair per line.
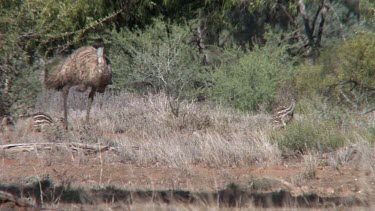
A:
(86, 67)
(284, 114)
(40, 121)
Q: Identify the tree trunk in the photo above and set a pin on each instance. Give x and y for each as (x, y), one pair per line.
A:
(306, 21)
(321, 26)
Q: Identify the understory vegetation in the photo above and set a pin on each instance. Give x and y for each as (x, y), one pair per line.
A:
(195, 82)
(146, 133)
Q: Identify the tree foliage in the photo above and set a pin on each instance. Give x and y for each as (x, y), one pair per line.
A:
(344, 74)
(161, 56)
(32, 30)
(189, 42)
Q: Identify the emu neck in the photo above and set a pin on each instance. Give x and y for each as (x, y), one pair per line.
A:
(100, 52)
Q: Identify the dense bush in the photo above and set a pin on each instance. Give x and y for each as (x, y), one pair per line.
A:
(20, 84)
(304, 137)
(160, 58)
(344, 74)
(312, 80)
(255, 78)
(357, 58)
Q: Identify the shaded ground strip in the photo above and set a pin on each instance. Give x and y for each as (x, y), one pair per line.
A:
(233, 196)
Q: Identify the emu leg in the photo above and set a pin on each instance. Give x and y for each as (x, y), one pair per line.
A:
(89, 102)
(65, 93)
(283, 121)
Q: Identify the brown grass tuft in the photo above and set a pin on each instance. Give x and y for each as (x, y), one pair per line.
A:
(147, 133)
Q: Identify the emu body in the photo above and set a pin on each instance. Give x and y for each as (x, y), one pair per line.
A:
(86, 67)
(41, 120)
(284, 114)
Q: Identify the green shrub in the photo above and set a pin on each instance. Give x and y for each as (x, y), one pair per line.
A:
(357, 58)
(260, 184)
(312, 80)
(254, 79)
(303, 137)
(345, 73)
(23, 89)
(159, 58)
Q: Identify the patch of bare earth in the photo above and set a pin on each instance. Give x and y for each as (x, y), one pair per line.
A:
(91, 173)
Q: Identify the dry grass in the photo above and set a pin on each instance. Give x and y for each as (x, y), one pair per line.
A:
(146, 132)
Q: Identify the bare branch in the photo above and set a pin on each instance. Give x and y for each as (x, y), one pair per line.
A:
(293, 21)
(306, 20)
(321, 26)
(316, 16)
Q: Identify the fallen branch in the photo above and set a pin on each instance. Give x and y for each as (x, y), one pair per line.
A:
(90, 149)
(73, 147)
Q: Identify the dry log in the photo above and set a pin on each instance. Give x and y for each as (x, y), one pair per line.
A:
(90, 149)
(73, 147)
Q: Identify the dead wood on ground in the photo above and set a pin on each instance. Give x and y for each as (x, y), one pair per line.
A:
(87, 149)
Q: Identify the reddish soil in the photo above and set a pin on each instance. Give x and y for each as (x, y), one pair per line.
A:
(88, 172)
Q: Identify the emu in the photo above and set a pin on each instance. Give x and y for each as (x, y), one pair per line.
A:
(86, 67)
(284, 114)
(41, 120)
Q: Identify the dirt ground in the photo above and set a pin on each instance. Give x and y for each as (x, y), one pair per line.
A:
(96, 172)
